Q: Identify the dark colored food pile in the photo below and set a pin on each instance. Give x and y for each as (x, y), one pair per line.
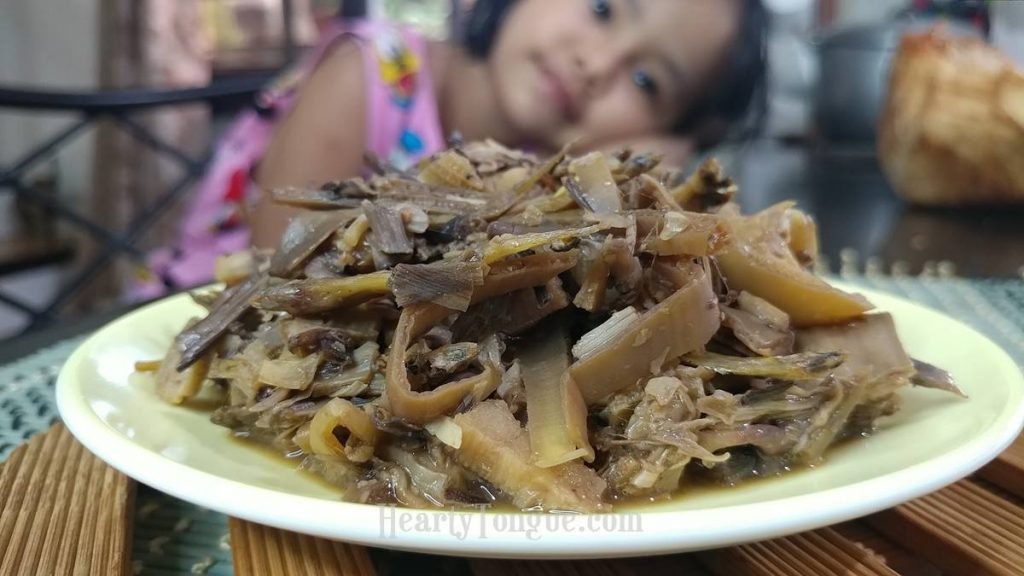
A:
(558, 335)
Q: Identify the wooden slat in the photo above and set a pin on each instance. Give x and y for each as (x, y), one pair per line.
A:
(680, 564)
(896, 557)
(263, 551)
(963, 529)
(62, 510)
(823, 551)
(1007, 471)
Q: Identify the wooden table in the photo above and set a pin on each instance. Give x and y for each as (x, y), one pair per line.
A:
(63, 511)
(862, 224)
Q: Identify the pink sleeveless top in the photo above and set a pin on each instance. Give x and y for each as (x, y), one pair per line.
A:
(402, 126)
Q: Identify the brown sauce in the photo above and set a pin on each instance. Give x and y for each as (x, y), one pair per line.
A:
(695, 481)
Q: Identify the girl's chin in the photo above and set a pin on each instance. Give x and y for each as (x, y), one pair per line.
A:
(532, 115)
(546, 133)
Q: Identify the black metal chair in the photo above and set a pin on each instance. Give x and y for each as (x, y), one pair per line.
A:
(118, 106)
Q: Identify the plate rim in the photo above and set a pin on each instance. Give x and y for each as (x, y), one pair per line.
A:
(662, 531)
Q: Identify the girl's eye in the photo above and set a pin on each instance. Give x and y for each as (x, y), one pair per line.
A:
(645, 83)
(602, 9)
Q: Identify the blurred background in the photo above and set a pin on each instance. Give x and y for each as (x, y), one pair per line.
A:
(108, 109)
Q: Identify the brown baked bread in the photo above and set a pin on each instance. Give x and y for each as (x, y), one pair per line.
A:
(952, 128)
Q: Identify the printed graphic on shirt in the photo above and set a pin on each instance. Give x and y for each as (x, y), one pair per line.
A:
(398, 67)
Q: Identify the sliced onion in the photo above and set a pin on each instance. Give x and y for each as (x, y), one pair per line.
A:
(449, 168)
(338, 412)
(234, 268)
(803, 236)
(761, 337)
(560, 200)
(759, 261)
(763, 309)
(289, 371)
(174, 386)
(592, 276)
(683, 322)
(556, 415)
(416, 219)
(681, 233)
(446, 430)
(275, 397)
(770, 439)
(875, 358)
(242, 370)
(594, 187)
(495, 446)
(649, 184)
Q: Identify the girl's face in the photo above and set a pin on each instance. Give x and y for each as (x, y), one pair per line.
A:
(606, 70)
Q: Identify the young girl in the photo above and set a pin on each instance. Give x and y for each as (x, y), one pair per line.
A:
(665, 75)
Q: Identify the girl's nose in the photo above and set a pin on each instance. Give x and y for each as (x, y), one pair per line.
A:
(600, 65)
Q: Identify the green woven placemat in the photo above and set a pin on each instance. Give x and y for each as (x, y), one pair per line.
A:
(175, 537)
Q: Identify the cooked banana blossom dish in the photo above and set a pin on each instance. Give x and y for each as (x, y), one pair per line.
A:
(561, 334)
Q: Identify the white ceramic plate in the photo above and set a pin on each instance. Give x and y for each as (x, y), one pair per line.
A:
(934, 440)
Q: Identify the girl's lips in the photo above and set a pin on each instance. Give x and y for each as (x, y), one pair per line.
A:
(558, 91)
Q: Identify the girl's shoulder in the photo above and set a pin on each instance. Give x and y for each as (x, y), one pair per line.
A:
(401, 113)
(403, 123)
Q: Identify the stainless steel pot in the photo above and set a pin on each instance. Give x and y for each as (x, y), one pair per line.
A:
(854, 74)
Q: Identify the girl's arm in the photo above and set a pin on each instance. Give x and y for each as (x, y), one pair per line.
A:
(320, 139)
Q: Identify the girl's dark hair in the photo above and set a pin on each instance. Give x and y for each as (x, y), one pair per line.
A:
(482, 24)
(735, 104)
